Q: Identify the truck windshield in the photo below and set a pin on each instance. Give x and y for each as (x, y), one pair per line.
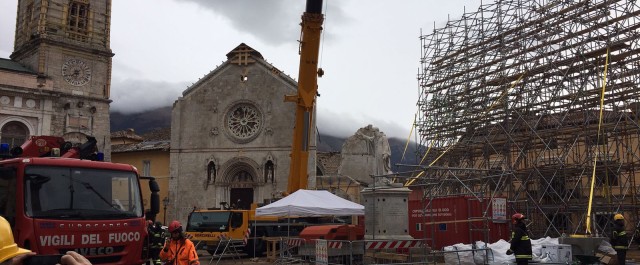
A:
(208, 222)
(81, 193)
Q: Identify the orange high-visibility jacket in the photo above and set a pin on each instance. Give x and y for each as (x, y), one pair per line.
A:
(180, 252)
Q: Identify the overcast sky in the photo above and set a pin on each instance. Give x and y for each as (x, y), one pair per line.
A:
(370, 51)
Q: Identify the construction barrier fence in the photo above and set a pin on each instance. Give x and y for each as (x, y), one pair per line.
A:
(369, 252)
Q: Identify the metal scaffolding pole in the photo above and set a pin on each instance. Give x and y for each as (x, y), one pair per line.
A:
(511, 92)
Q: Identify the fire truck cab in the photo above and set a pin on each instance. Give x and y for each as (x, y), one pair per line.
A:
(57, 204)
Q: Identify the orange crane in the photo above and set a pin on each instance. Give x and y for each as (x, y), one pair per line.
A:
(305, 100)
(243, 224)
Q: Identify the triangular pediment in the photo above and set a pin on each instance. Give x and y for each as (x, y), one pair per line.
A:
(242, 55)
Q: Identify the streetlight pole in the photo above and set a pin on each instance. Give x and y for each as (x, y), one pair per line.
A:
(165, 202)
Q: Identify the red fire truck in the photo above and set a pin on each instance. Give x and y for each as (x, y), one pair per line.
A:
(68, 202)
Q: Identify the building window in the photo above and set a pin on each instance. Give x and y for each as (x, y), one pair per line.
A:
(560, 221)
(607, 178)
(14, 133)
(146, 168)
(603, 219)
(243, 122)
(78, 20)
(597, 140)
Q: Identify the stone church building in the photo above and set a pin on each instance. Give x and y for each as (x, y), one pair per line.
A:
(57, 80)
(231, 131)
(231, 136)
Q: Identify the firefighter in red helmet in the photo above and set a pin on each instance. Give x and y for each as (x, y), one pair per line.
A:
(178, 250)
(520, 242)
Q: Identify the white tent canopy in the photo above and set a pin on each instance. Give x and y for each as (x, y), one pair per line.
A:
(311, 203)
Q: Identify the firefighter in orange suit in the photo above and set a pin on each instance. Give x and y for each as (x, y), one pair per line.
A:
(520, 242)
(178, 250)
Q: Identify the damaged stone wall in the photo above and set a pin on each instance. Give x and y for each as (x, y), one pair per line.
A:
(366, 153)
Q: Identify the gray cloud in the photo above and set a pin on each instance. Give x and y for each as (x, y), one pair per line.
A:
(132, 96)
(269, 21)
(137, 95)
(7, 28)
(345, 124)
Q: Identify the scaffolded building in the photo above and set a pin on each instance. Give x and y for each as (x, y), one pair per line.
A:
(535, 101)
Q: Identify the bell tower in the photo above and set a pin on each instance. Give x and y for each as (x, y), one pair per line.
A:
(66, 44)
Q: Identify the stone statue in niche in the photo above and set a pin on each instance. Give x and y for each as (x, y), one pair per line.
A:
(211, 174)
(268, 172)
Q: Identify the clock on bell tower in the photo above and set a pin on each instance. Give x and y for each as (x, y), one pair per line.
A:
(67, 44)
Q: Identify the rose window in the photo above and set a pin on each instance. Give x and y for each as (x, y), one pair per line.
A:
(243, 122)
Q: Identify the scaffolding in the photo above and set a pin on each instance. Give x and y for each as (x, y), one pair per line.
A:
(531, 100)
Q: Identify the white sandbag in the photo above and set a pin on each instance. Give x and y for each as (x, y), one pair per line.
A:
(482, 254)
(606, 247)
(499, 250)
(460, 254)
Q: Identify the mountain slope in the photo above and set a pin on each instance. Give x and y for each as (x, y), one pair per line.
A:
(148, 121)
(142, 122)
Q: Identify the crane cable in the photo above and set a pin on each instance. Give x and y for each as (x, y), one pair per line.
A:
(324, 26)
(595, 157)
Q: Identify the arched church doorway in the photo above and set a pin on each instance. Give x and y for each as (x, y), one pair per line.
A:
(241, 198)
(241, 189)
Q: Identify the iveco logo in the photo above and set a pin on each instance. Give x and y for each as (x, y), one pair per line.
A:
(94, 225)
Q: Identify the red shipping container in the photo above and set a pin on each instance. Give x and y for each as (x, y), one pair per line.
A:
(450, 220)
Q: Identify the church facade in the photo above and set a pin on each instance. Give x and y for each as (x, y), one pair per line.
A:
(57, 80)
(231, 136)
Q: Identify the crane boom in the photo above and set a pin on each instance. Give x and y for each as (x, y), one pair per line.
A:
(308, 73)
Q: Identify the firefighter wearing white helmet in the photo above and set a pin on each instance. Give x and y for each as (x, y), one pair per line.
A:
(619, 238)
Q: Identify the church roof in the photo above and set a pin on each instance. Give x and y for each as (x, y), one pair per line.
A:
(143, 146)
(159, 134)
(14, 66)
(235, 55)
(242, 54)
(158, 139)
(127, 134)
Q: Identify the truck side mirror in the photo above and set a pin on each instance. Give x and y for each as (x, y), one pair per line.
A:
(153, 185)
(155, 197)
